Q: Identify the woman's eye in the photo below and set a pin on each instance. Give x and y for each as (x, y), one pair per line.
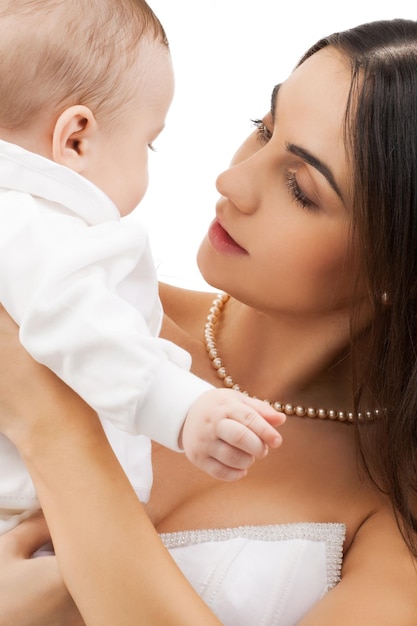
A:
(297, 193)
(151, 147)
(263, 134)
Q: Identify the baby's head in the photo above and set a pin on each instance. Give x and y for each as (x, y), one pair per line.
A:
(83, 76)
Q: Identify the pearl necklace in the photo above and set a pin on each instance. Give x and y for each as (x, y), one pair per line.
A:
(289, 409)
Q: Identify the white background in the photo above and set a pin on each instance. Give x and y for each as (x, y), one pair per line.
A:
(227, 56)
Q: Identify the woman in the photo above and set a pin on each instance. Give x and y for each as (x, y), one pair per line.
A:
(314, 240)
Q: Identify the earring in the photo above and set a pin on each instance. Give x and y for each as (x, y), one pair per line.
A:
(385, 299)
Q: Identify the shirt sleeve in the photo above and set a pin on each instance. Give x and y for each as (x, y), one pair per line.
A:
(65, 284)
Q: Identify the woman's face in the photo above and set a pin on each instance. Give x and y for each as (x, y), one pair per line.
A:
(281, 238)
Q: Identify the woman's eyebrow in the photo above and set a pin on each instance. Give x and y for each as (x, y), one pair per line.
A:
(304, 154)
(315, 162)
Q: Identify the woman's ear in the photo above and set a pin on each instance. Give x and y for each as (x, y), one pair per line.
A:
(73, 138)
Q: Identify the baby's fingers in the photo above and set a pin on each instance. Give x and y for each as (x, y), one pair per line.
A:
(261, 419)
(275, 418)
(238, 433)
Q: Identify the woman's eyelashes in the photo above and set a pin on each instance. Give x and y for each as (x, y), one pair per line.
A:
(297, 193)
(263, 134)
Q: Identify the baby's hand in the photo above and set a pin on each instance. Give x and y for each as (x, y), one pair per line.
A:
(225, 431)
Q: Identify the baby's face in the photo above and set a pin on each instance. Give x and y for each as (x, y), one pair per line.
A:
(120, 167)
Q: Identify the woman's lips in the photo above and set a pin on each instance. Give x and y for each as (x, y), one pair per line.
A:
(222, 241)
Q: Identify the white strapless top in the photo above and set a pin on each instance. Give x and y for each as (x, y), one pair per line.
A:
(260, 575)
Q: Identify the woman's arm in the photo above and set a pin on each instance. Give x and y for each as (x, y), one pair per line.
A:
(379, 581)
(111, 558)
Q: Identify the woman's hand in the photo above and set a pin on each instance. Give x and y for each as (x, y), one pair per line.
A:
(31, 590)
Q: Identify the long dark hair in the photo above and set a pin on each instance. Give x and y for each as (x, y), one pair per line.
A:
(381, 141)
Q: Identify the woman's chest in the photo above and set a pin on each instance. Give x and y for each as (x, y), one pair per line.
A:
(293, 484)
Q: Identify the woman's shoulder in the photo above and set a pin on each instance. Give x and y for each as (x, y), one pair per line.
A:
(379, 577)
(186, 307)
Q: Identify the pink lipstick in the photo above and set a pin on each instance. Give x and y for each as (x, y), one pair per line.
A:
(222, 241)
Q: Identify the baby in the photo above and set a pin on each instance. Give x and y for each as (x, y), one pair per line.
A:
(85, 89)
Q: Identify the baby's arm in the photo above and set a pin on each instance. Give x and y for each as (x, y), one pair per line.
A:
(225, 431)
(86, 300)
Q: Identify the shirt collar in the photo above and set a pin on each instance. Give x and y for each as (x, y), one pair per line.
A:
(22, 170)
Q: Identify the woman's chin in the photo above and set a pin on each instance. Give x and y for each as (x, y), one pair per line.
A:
(207, 264)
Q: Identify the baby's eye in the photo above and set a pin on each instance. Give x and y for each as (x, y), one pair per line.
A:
(151, 147)
(264, 134)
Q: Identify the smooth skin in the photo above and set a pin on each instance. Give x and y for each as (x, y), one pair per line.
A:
(39, 579)
(280, 247)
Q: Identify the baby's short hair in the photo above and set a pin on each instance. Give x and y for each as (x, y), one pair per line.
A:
(57, 53)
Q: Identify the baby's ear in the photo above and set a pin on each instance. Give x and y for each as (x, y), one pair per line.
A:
(73, 137)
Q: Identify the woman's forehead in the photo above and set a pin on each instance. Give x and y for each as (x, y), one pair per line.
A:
(323, 74)
(309, 107)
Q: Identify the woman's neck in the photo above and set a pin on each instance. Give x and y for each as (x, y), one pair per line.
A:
(292, 360)
(297, 360)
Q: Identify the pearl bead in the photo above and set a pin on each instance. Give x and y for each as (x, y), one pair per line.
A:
(289, 409)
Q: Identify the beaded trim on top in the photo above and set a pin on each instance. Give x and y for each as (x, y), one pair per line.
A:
(347, 417)
(332, 534)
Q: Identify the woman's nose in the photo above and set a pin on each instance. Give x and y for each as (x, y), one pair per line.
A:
(240, 185)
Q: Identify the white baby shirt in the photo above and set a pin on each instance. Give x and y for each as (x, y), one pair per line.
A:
(81, 284)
